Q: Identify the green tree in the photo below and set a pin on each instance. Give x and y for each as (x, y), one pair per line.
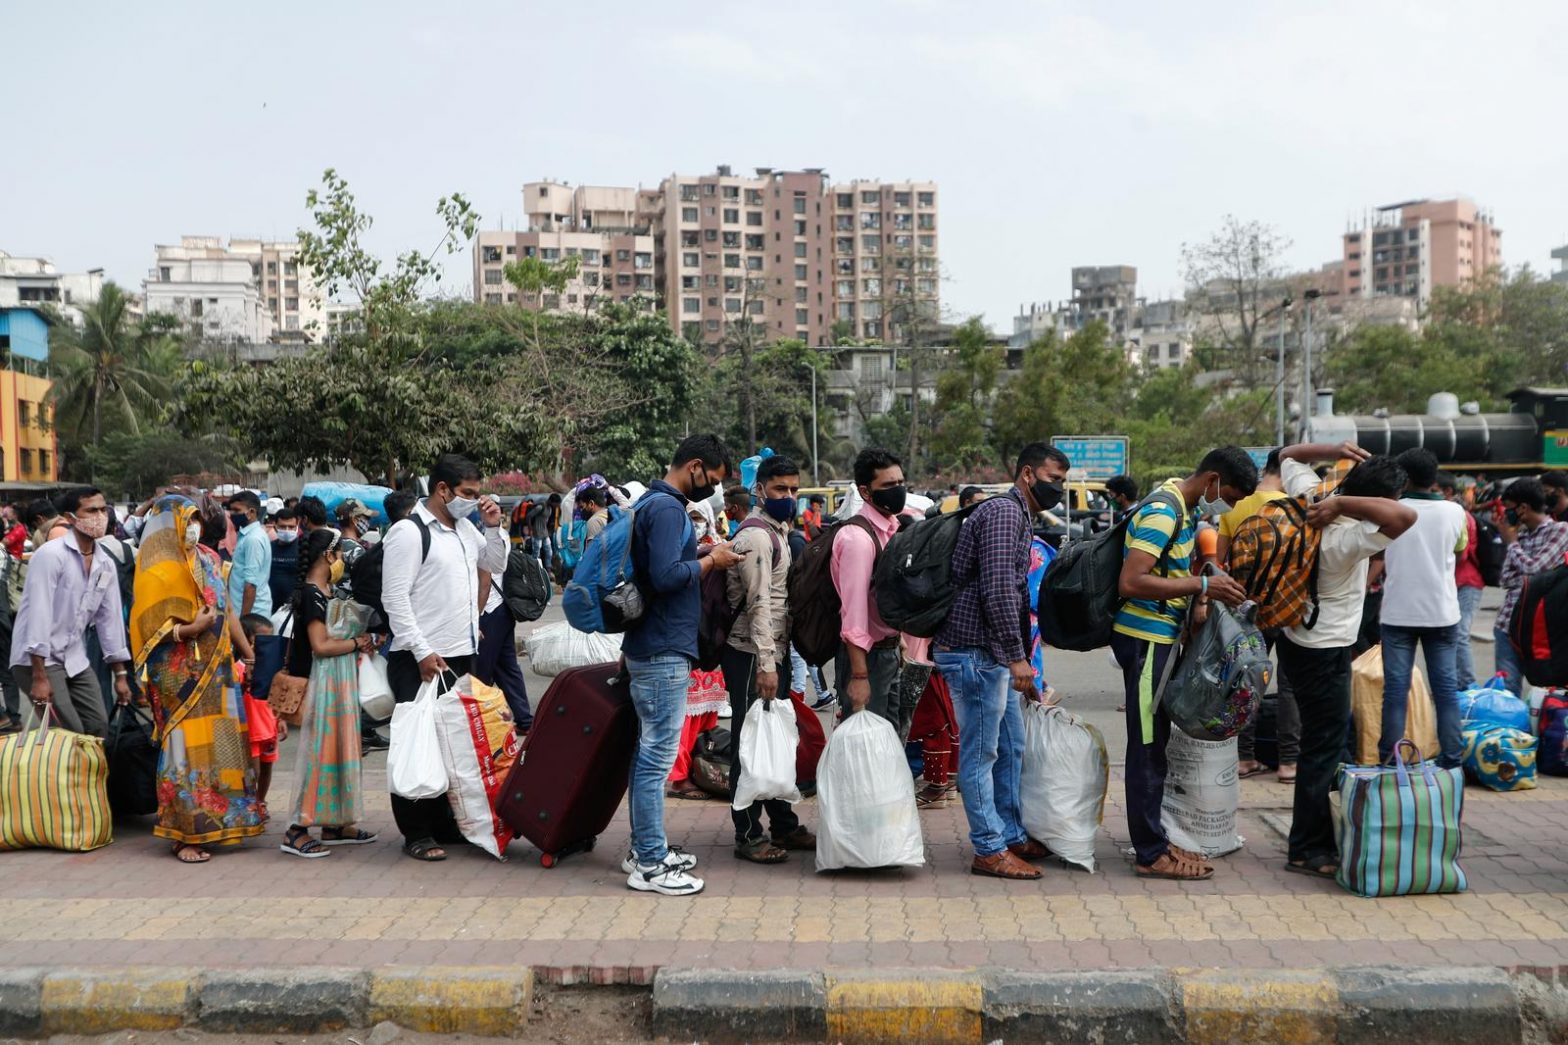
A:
(961, 440)
(1516, 326)
(136, 465)
(1080, 386)
(1396, 369)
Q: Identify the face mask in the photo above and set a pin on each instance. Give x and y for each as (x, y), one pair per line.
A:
(360, 526)
(702, 493)
(1512, 516)
(1218, 506)
(1046, 494)
(891, 500)
(700, 528)
(337, 572)
(94, 526)
(781, 509)
(193, 534)
(239, 521)
(288, 536)
(462, 507)
(371, 539)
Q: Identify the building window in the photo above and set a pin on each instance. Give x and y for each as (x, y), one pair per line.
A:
(623, 255)
(927, 242)
(732, 304)
(25, 460)
(644, 282)
(927, 199)
(290, 322)
(756, 242)
(731, 216)
(163, 273)
(925, 286)
(291, 304)
(688, 213)
(591, 279)
(800, 204)
(732, 240)
(870, 219)
(802, 316)
(871, 328)
(710, 235)
(928, 221)
(844, 245)
(196, 307)
(871, 310)
(755, 308)
(732, 192)
(511, 248)
(623, 280)
(491, 254)
(690, 260)
(754, 217)
(802, 294)
(754, 264)
(800, 250)
(23, 412)
(43, 463)
(872, 287)
(492, 277)
(709, 189)
(800, 272)
(710, 280)
(732, 261)
(272, 268)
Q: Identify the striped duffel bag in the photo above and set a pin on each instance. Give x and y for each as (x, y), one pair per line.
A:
(1398, 827)
(53, 790)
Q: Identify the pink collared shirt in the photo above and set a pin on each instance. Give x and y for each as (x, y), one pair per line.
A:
(854, 554)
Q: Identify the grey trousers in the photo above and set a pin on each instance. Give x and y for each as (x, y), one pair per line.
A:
(882, 667)
(78, 702)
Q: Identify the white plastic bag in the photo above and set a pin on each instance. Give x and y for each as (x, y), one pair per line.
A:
(559, 647)
(478, 747)
(414, 765)
(768, 740)
(1202, 792)
(375, 693)
(1065, 775)
(866, 798)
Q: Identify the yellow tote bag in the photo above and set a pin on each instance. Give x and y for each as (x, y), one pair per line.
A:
(1366, 708)
(53, 790)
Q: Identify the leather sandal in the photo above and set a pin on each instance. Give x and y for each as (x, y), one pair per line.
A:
(761, 851)
(800, 839)
(1173, 868)
(1004, 865)
(1029, 849)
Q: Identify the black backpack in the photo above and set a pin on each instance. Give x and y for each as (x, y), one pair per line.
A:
(525, 587)
(365, 575)
(1539, 628)
(913, 580)
(814, 607)
(125, 570)
(1080, 592)
(1490, 551)
(718, 615)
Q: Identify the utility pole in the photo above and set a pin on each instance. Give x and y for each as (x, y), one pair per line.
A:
(1306, 367)
(1279, 380)
(816, 476)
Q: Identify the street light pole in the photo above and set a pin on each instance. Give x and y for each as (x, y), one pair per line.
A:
(816, 476)
(1279, 380)
(1306, 367)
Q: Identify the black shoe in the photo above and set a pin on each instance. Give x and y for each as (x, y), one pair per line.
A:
(372, 742)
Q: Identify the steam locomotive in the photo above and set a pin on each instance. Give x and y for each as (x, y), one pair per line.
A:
(1531, 437)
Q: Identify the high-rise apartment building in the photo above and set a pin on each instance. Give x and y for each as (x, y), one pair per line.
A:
(605, 229)
(1406, 249)
(250, 290)
(785, 250)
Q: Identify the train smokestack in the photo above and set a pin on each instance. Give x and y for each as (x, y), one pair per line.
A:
(1444, 405)
(1325, 407)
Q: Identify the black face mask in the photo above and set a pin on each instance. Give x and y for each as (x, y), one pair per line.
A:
(1046, 494)
(239, 521)
(702, 493)
(891, 500)
(1512, 517)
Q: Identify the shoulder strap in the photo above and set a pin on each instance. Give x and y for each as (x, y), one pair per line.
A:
(861, 522)
(758, 524)
(424, 537)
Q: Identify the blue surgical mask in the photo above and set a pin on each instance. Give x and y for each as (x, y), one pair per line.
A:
(781, 509)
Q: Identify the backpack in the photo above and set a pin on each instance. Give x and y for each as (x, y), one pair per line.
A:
(1080, 593)
(1490, 551)
(126, 570)
(814, 607)
(364, 574)
(710, 762)
(718, 616)
(1539, 629)
(1274, 556)
(913, 581)
(1552, 753)
(525, 587)
(572, 540)
(1223, 675)
(602, 596)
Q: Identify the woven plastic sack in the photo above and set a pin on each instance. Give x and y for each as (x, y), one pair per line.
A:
(1063, 783)
(867, 814)
(1366, 707)
(1202, 792)
(1398, 827)
(478, 747)
(559, 647)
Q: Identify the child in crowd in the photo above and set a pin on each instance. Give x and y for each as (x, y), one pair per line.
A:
(267, 731)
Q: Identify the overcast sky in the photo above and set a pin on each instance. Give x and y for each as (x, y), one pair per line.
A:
(1060, 133)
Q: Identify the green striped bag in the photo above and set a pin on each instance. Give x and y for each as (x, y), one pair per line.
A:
(1399, 827)
(53, 790)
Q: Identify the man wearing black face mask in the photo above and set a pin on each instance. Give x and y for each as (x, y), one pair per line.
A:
(868, 668)
(980, 652)
(250, 588)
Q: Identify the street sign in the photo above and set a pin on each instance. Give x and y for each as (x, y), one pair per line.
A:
(1260, 456)
(1094, 456)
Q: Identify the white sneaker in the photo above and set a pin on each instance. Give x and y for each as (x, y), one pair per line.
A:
(668, 878)
(677, 856)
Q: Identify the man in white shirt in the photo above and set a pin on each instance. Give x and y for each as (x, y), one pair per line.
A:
(1360, 519)
(1421, 604)
(430, 585)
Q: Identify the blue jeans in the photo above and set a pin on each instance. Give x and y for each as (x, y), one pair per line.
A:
(990, 755)
(1508, 660)
(1399, 654)
(800, 671)
(1464, 661)
(658, 687)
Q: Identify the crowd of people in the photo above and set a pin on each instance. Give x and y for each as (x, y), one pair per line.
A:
(168, 606)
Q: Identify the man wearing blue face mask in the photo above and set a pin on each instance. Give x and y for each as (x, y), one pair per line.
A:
(283, 578)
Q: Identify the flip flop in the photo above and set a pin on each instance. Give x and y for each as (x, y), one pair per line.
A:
(1316, 867)
(1257, 770)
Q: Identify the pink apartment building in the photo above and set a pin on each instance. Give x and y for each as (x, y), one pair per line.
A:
(1406, 249)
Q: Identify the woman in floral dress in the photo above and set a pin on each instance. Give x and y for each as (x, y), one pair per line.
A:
(184, 638)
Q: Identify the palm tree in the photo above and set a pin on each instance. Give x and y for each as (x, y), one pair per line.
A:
(113, 362)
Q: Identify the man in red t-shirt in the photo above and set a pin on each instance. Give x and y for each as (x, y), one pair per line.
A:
(1467, 575)
(15, 532)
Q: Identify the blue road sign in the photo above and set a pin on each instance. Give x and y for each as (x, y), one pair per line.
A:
(1094, 456)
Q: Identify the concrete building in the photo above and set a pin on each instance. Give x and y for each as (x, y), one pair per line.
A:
(1406, 249)
(1108, 293)
(35, 281)
(293, 301)
(885, 257)
(1561, 257)
(28, 451)
(601, 227)
(1161, 336)
(250, 290)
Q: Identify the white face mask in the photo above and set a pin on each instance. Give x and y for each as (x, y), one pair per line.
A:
(193, 534)
(1218, 506)
(701, 528)
(462, 507)
(94, 526)
(288, 536)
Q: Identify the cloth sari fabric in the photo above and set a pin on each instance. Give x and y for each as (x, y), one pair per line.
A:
(328, 762)
(206, 779)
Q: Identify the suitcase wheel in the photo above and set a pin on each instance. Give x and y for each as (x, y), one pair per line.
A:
(546, 860)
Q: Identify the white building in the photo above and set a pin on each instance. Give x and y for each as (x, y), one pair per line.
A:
(1161, 336)
(289, 293)
(35, 281)
(213, 290)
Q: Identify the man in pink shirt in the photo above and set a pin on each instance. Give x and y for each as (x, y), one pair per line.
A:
(869, 664)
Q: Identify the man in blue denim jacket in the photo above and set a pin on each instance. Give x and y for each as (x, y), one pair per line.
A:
(660, 648)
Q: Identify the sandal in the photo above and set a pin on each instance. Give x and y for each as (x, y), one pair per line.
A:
(686, 789)
(298, 842)
(1191, 857)
(424, 850)
(339, 838)
(1257, 769)
(1287, 778)
(1171, 867)
(1314, 866)
(800, 839)
(190, 854)
(761, 851)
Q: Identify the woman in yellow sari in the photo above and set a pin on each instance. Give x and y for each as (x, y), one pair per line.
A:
(183, 637)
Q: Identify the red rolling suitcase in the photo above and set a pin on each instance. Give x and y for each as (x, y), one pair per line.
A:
(574, 767)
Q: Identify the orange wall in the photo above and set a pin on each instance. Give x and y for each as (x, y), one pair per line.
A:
(15, 388)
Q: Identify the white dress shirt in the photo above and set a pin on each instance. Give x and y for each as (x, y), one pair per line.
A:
(61, 597)
(434, 607)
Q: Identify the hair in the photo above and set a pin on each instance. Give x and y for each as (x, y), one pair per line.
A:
(70, 500)
(1556, 479)
(290, 502)
(1123, 485)
(872, 460)
(313, 511)
(817, 498)
(39, 511)
(214, 522)
(1527, 493)
(1446, 481)
(553, 500)
(968, 494)
(1271, 466)
(707, 448)
(738, 495)
(313, 548)
(285, 515)
(252, 623)
(453, 469)
(1036, 454)
(1420, 465)
(1380, 476)
(594, 495)
(398, 504)
(1234, 467)
(776, 466)
(246, 499)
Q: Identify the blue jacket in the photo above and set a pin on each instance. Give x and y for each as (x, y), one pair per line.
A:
(664, 553)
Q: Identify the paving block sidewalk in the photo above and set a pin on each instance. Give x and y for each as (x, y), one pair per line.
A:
(131, 903)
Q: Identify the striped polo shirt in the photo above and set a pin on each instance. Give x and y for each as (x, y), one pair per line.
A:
(1152, 527)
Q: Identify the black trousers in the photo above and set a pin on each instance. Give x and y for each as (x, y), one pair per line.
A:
(497, 664)
(740, 676)
(1321, 679)
(1143, 662)
(418, 819)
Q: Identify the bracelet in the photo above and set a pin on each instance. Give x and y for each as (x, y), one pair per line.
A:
(1205, 589)
(859, 678)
